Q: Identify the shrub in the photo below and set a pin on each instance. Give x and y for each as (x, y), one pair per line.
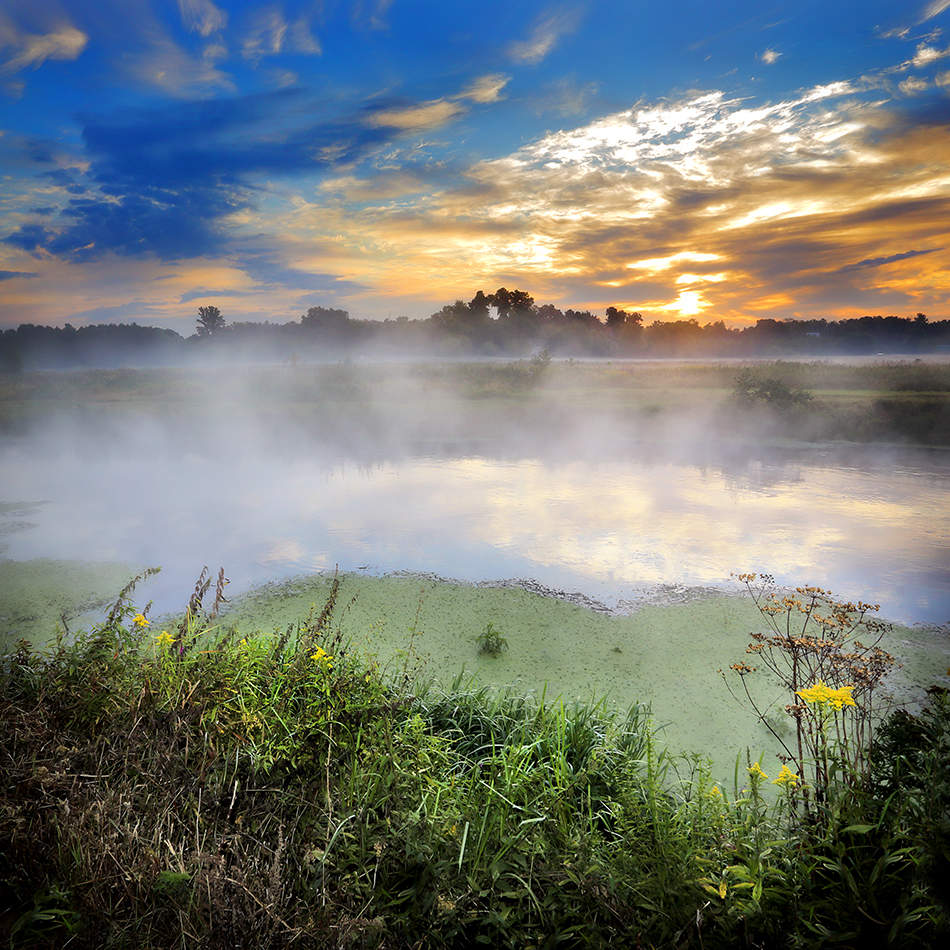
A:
(491, 641)
(751, 387)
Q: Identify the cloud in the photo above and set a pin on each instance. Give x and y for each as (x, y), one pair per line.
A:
(544, 36)
(174, 182)
(166, 66)
(30, 237)
(880, 261)
(202, 17)
(302, 39)
(928, 54)
(704, 203)
(416, 117)
(214, 52)
(267, 266)
(897, 32)
(271, 34)
(424, 116)
(770, 56)
(485, 89)
(934, 8)
(913, 85)
(266, 35)
(11, 274)
(34, 49)
(566, 96)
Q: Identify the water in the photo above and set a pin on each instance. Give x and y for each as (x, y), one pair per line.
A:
(866, 525)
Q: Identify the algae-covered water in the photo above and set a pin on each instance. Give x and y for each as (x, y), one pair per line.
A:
(668, 655)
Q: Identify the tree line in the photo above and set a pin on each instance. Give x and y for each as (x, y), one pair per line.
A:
(506, 323)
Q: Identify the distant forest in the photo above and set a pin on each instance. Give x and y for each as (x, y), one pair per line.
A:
(507, 324)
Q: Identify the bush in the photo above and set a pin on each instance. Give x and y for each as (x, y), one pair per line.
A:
(751, 387)
(491, 641)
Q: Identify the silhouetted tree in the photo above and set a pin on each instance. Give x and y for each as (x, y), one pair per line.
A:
(452, 317)
(325, 318)
(479, 305)
(209, 321)
(507, 302)
(620, 318)
(548, 313)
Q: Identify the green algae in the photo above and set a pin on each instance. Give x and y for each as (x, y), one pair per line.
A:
(667, 656)
(35, 595)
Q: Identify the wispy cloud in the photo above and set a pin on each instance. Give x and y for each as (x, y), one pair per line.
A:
(913, 85)
(270, 34)
(166, 66)
(485, 89)
(416, 117)
(424, 116)
(11, 274)
(566, 96)
(770, 56)
(934, 8)
(202, 17)
(265, 36)
(33, 49)
(301, 38)
(544, 36)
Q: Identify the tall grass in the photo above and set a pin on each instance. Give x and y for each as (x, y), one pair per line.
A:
(194, 786)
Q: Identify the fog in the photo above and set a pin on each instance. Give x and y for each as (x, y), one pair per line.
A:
(273, 473)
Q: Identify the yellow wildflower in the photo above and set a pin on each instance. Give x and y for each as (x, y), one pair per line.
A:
(786, 778)
(822, 695)
(321, 656)
(842, 697)
(140, 621)
(755, 770)
(164, 639)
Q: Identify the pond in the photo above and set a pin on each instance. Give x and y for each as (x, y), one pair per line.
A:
(873, 525)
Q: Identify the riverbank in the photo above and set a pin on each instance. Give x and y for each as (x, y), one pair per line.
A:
(665, 649)
(196, 783)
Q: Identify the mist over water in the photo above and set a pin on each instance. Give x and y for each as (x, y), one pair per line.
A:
(570, 504)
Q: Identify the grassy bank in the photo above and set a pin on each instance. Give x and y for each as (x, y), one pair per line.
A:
(665, 655)
(190, 784)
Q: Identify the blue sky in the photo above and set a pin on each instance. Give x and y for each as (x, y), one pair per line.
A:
(718, 161)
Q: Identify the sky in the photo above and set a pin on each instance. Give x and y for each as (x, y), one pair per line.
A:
(717, 161)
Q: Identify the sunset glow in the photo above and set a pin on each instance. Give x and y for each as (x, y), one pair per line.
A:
(389, 156)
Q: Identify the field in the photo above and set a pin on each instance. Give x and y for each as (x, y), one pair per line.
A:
(866, 402)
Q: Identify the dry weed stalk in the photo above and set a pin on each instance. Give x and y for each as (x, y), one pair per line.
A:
(830, 677)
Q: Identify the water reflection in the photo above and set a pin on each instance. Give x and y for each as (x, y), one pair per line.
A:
(876, 529)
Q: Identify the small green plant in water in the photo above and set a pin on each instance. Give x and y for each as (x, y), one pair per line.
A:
(491, 641)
